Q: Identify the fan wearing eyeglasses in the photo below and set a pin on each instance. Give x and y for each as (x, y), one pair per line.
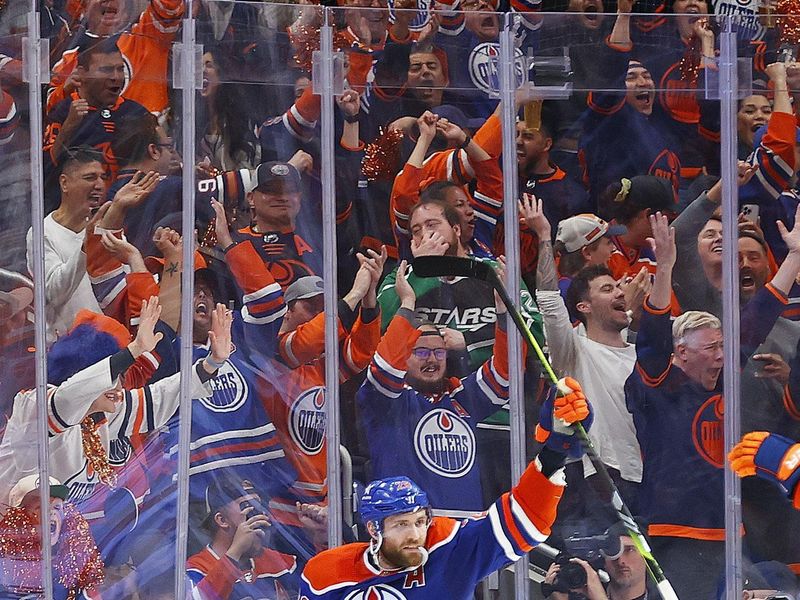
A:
(418, 421)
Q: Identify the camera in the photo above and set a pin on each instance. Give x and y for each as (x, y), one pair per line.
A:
(258, 509)
(571, 575)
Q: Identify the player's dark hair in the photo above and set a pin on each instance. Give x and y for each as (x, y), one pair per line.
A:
(578, 290)
(79, 155)
(450, 214)
(103, 46)
(132, 140)
(437, 191)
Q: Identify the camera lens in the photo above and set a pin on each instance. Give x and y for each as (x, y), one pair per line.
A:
(573, 575)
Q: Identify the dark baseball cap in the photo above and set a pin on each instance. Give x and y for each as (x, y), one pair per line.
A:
(277, 176)
(649, 191)
(222, 491)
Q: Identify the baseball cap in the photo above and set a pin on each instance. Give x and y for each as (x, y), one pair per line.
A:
(277, 176)
(305, 287)
(30, 483)
(222, 491)
(649, 191)
(455, 115)
(581, 230)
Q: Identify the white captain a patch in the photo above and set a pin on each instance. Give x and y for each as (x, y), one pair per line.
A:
(445, 443)
(230, 390)
(307, 420)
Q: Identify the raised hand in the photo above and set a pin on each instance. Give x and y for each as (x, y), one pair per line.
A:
(569, 407)
(405, 292)
(123, 251)
(249, 535)
(373, 263)
(302, 161)
(636, 290)
(454, 339)
(431, 244)
(349, 103)
(777, 72)
(451, 132)
(168, 242)
(77, 111)
(791, 238)
(773, 367)
(137, 189)
(427, 125)
(744, 172)
(146, 337)
(221, 228)
(220, 335)
(532, 213)
(97, 218)
(663, 241)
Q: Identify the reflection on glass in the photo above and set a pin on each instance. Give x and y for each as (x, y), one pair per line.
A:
(617, 151)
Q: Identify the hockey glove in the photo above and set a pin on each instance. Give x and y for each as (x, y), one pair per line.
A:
(567, 408)
(772, 457)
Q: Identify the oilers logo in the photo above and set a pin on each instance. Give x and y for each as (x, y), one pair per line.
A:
(307, 420)
(119, 451)
(707, 431)
(230, 390)
(422, 17)
(445, 444)
(483, 62)
(376, 592)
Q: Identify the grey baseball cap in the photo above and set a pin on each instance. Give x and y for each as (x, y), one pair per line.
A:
(305, 287)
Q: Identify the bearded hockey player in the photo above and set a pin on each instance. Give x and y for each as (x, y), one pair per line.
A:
(410, 551)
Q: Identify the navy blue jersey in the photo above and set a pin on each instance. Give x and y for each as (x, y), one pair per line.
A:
(429, 438)
(679, 425)
(618, 141)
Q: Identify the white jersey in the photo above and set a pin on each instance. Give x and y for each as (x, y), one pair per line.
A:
(143, 409)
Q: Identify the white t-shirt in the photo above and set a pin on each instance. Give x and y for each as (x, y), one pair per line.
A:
(67, 285)
(601, 370)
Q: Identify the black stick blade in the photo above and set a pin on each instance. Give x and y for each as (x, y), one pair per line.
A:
(452, 266)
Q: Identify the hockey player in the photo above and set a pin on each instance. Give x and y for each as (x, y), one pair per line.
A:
(422, 423)
(413, 555)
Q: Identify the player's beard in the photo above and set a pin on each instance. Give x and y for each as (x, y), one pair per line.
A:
(401, 559)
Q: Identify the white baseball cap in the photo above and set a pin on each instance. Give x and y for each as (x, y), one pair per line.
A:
(581, 230)
(30, 483)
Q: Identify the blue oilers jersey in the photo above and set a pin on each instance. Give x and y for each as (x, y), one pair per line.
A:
(460, 553)
(678, 422)
(429, 438)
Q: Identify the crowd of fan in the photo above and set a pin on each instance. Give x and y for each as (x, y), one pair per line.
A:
(620, 252)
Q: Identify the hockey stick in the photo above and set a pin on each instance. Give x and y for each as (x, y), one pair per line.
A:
(454, 266)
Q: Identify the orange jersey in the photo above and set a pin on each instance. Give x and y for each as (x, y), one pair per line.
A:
(297, 406)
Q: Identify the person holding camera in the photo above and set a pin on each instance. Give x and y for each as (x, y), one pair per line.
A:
(236, 564)
(572, 578)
